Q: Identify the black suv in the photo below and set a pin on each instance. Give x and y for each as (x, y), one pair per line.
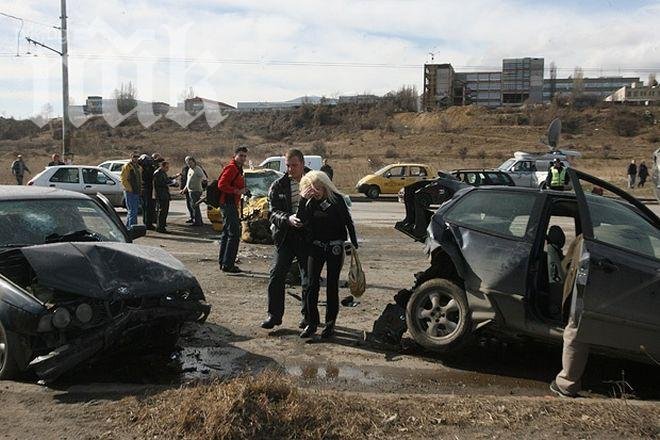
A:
(499, 259)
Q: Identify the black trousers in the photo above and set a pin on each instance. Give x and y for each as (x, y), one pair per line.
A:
(293, 247)
(318, 257)
(148, 208)
(163, 209)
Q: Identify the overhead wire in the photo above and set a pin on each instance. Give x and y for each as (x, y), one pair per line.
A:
(29, 20)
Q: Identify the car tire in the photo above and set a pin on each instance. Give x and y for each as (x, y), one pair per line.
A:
(8, 348)
(438, 316)
(373, 192)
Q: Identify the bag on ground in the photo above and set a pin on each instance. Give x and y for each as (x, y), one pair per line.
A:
(356, 280)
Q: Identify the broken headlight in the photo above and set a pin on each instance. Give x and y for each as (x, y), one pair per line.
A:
(84, 313)
(61, 318)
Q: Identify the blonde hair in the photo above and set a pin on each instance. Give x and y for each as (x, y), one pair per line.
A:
(318, 180)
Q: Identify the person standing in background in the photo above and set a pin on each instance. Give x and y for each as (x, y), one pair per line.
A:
(148, 203)
(643, 174)
(162, 190)
(632, 174)
(56, 161)
(231, 184)
(131, 179)
(183, 180)
(327, 169)
(194, 187)
(18, 169)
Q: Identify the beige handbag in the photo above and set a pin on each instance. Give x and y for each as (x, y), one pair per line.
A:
(356, 280)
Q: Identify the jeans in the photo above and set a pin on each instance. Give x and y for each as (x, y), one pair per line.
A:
(191, 211)
(317, 258)
(292, 246)
(163, 210)
(197, 213)
(133, 206)
(231, 233)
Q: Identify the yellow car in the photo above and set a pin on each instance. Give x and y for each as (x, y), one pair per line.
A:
(258, 182)
(391, 178)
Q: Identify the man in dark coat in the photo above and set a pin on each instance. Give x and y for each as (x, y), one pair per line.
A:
(162, 190)
(327, 169)
(643, 174)
(56, 161)
(148, 202)
(284, 197)
(632, 174)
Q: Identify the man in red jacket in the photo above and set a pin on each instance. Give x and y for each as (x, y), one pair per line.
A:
(231, 184)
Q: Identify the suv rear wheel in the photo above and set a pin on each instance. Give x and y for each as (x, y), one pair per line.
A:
(438, 316)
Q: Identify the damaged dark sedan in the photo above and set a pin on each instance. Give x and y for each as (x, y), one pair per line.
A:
(73, 287)
(500, 262)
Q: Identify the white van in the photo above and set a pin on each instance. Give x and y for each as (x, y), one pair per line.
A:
(277, 163)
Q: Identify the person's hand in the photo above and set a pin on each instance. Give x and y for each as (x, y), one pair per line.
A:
(308, 192)
(295, 221)
(240, 191)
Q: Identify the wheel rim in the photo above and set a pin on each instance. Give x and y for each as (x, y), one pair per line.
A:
(438, 315)
(3, 348)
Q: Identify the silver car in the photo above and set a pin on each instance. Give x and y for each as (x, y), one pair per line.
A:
(83, 179)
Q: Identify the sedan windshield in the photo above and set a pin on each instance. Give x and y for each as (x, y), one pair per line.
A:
(506, 165)
(31, 222)
(259, 183)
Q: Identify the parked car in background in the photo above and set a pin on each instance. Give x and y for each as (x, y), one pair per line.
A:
(74, 288)
(391, 178)
(530, 170)
(83, 179)
(420, 196)
(492, 268)
(278, 163)
(114, 166)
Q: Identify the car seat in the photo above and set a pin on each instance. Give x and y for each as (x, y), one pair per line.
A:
(556, 239)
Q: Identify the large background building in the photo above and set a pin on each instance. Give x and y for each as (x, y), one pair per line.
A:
(520, 81)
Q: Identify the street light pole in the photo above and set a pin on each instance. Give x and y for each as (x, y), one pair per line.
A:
(66, 134)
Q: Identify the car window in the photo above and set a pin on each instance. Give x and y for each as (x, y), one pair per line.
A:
(470, 178)
(29, 222)
(93, 176)
(259, 183)
(497, 178)
(117, 166)
(418, 171)
(273, 165)
(66, 175)
(616, 224)
(504, 213)
(105, 165)
(524, 166)
(506, 165)
(396, 172)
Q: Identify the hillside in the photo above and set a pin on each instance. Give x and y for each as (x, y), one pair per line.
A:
(358, 139)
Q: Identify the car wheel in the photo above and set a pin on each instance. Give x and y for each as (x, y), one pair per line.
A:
(438, 316)
(373, 192)
(8, 347)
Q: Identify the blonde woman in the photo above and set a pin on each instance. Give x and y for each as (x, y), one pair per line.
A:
(327, 220)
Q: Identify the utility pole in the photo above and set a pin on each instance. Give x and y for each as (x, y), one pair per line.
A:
(66, 134)
(64, 54)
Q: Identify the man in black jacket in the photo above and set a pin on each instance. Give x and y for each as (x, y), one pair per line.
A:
(284, 196)
(162, 190)
(148, 202)
(183, 180)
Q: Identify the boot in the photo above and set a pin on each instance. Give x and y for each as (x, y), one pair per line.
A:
(329, 330)
(308, 332)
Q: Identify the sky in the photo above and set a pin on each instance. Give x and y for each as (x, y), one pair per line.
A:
(260, 50)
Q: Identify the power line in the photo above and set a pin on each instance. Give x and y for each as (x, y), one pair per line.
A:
(28, 20)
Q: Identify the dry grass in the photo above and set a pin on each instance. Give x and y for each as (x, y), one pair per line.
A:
(270, 406)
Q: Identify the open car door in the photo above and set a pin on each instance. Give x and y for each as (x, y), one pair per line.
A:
(617, 304)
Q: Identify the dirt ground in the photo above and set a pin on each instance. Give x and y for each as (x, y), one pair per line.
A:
(92, 402)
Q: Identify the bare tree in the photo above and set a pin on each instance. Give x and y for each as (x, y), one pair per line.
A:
(126, 97)
(578, 82)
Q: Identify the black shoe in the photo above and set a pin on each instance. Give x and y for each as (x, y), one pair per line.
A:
(270, 323)
(329, 330)
(151, 227)
(189, 221)
(302, 324)
(558, 391)
(162, 230)
(231, 269)
(308, 332)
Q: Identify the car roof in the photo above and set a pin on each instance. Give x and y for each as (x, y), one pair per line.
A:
(15, 192)
(77, 166)
(522, 189)
(410, 164)
(477, 170)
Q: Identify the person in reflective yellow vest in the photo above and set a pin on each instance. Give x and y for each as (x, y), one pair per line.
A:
(557, 176)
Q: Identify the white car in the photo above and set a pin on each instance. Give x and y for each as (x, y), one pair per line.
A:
(114, 166)
(83, 179)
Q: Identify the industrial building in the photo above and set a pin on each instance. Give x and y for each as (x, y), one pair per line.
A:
(636, 93)
(520, 81)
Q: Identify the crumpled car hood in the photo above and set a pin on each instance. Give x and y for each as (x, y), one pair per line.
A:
(109, 271)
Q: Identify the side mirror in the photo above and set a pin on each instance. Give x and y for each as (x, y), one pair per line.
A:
(137, 231)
